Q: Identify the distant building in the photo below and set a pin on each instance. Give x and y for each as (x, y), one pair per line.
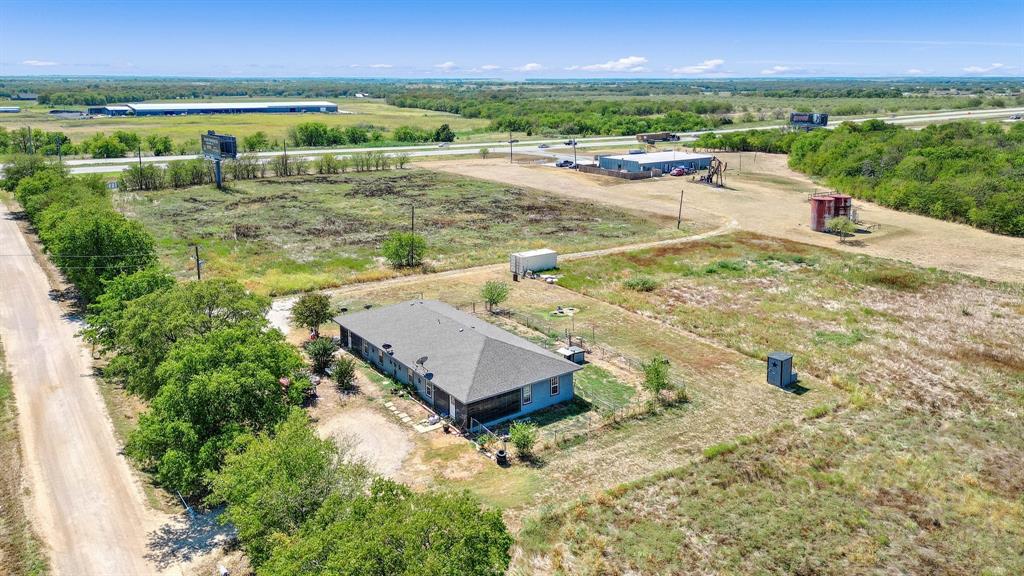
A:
(9, 109)
(111, 110)
(175, 109)
(664, 161)
(465, 368)
(25, 96)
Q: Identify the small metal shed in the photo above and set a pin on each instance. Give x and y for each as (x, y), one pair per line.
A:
(780, 369)
(573, 354)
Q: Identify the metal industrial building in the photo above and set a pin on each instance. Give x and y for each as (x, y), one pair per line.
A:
(664, 161)
(176, 109)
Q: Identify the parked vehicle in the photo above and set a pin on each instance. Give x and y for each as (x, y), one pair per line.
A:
(543, 146)
(565, 164)
(678, 172)
(1016, 117)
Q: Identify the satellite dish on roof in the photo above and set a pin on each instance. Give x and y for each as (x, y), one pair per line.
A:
(421, 360)
(429, 375)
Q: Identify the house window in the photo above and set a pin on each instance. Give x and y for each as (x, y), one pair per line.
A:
(553, 383)
(430, 390)
(366, 350)
(527, 395)
(408, 375)
(380, 356)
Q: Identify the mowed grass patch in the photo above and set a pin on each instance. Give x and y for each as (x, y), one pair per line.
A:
(922, 336)
(860, 493)
(303, 233)
(601, 388)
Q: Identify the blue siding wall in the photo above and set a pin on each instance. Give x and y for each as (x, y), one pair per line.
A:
(630, 165)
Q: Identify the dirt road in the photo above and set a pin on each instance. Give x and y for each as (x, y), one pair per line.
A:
(280, 311)
(764, 195)
(85, 502)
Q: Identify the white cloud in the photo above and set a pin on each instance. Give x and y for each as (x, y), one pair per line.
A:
(776, 70)
(445, 65)
(627, 64)
(379, 65)
(702, 68)
(915, 71)
(983, 69)
(530, 67)
(490, 67)
(38, 63)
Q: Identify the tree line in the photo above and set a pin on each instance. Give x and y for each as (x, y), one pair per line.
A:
(967, 172)
(224, 422)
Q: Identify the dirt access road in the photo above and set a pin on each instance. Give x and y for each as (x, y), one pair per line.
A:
(85, 503)
(766, 196)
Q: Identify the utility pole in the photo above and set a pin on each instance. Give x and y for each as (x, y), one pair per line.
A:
(679, 219)
(199, 264)
(509, 146)
(60, 159)
(574, 163)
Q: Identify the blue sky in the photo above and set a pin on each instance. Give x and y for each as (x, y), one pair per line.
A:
(513, 40)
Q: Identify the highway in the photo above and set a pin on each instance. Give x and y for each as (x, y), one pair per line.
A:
(556, 147)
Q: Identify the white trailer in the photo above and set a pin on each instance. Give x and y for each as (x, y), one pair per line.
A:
(533, 261)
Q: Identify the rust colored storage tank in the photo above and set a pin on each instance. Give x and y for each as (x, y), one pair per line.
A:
(842, 205)
(821, 212)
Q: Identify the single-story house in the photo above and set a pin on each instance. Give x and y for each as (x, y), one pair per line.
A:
(463, 367)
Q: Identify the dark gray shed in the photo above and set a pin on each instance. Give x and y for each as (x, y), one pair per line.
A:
(780, 369)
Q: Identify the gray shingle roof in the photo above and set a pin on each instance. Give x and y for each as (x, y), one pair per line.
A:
(470, 359)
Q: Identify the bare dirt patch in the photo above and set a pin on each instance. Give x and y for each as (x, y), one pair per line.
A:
(766, 196)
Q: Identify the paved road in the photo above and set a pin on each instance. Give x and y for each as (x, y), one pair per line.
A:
(85, 502)
(557, 149)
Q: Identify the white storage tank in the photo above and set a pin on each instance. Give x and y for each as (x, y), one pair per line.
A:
(533, 260)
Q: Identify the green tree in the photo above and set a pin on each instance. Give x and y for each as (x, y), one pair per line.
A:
(101, 146)
(401, 159)
(444, 133)
(494, 292)
(311, 310)
(484, 152)
(356, 135)
(272, 484)
(321, 353)
(656, 377)
(160, 145)
(404, 249)
(397, 532)
(150, 325)
(130, 140)
(842, 226)
(92, 246)
(256, 142)
(523, 436)
(213, 388)
(19, 166)
(105, 314)
(344, 373)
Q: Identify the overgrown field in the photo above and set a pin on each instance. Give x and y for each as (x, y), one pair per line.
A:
(285, 235)
(913, 469)
(21, 553)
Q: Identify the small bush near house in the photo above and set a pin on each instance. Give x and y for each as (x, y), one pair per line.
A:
(344, 373)
(523, 436)
(404, 249)
(321, 353)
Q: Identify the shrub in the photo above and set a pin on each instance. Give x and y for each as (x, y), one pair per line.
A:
(656, 375)
(641, 284)
(404, 249)
(494, 292)
(523, 436)
(344, 373)
(321, 353)
(311, 310)
(720, 449)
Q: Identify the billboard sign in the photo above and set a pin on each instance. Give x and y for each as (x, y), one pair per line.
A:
(219, 146)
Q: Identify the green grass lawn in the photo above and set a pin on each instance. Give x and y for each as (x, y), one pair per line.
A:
(601, 387)
(287, 235)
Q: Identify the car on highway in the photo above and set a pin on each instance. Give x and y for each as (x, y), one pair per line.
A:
(570, 142)
(565, 164)
(543, 146)
(442, 145)
(1016, 117)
